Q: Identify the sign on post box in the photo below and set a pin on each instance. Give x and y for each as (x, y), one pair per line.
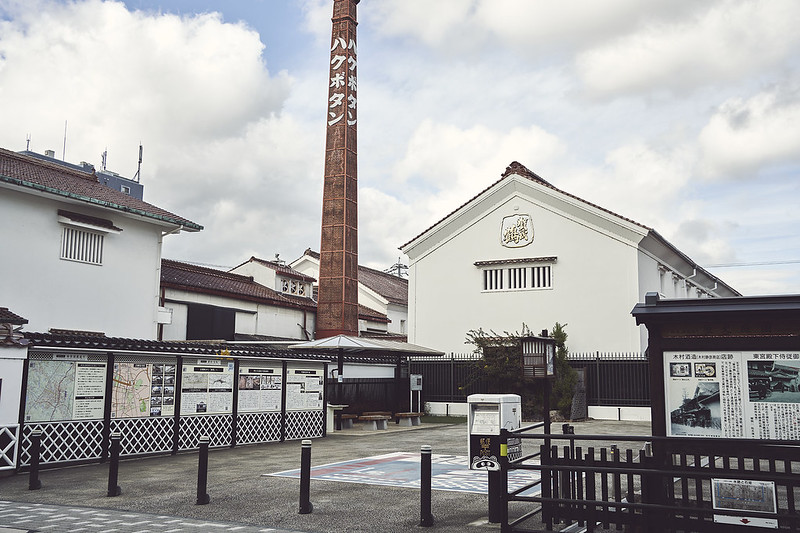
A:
(487, 414)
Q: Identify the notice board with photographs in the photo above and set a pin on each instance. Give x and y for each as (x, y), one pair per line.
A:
(305, 387)
(260, 387)
(207, 386)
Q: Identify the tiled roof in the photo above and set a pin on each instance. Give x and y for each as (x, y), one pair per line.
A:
(522, 170)
(187, 348)
(29, 172)
(366, 313)
(278, 267)
(393, 288)
(194, 348)
(194, 278)
(7, 317)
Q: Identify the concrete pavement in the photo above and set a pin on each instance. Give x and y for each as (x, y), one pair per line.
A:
(159, 493)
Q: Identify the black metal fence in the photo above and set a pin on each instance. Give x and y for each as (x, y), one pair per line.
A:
(670, 484)
(369, 394)
(611, 379)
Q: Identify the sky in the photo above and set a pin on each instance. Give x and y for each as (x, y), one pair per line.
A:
(681, 115)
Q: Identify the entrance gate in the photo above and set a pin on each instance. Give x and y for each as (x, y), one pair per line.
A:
(653, 483)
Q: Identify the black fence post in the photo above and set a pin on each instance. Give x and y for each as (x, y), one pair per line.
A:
(425, 515)
(306, 506)
(202, 473)
(34, 483)
(113, 465)
(503, 500)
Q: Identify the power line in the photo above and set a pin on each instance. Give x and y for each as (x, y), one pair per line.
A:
(755, 263)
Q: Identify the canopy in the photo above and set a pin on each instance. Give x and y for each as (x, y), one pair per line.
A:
(365, 345)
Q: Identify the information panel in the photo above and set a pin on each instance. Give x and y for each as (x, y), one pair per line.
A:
(207, 387)
(70, 388)
(143, 389)
(304, 388)
(260, 388)
(733, 394)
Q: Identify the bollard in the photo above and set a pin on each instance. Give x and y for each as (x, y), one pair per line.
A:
(202, 473)
(305, 478)
(34, 483)
(113, 466)
(425, 516)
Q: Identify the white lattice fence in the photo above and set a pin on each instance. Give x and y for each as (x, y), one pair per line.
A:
(303, 424)
(258, 427)
(9, 439)
(64, 441)
(216, 427)
(144, 435)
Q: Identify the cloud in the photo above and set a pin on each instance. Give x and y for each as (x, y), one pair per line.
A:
(745, 135)
(726, 41)
(218, 148)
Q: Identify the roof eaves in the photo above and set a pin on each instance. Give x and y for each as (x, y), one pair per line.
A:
(519, 169)
(187, 225)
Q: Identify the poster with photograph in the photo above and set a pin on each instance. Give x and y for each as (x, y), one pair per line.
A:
(305, 389)
(733, 394)
(260, 389)
(207, 387)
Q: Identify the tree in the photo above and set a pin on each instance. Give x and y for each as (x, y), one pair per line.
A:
(566, 378)
(500, 366)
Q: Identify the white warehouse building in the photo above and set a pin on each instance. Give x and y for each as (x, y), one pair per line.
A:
(524, 252)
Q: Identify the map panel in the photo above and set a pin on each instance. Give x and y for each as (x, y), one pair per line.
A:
(51, 391)
(130, 395)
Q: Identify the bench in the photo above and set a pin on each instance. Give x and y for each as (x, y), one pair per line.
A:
(408, 419)
(347, 420)
(377, 413)
(374, 422)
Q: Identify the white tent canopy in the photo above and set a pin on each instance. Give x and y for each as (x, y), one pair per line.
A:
(371, 345)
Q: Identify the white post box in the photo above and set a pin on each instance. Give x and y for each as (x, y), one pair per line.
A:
(487, 413)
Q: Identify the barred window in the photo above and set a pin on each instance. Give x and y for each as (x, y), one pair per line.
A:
(493, 279)
(518, 278)
(82, 246)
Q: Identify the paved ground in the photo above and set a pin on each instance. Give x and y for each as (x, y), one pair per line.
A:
(159, 493)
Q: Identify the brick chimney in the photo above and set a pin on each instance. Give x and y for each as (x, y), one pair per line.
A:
(337, 304)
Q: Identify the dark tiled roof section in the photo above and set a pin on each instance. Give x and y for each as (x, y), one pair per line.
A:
(365, 313)
(391, 287)
(520, 260)
(45, 341)
(189, 348)
(285, 270)
(86, 219)
(522, 170)
(205, 280)
(7, 317)
(29, 172)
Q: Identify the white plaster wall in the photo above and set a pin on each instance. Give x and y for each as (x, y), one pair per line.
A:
(261, 274)
(176, 331)
(118, 298)
(363, 371)
(398, 314)
(595, 281)
(251, 317)
(11, 362)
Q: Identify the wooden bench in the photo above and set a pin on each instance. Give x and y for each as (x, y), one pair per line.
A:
(374, 422)
(408, 419)
(377, 413)
(347, 420)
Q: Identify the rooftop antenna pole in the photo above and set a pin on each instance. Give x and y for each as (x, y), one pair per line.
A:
(64, 151)
(28, 143)
(139, 168)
